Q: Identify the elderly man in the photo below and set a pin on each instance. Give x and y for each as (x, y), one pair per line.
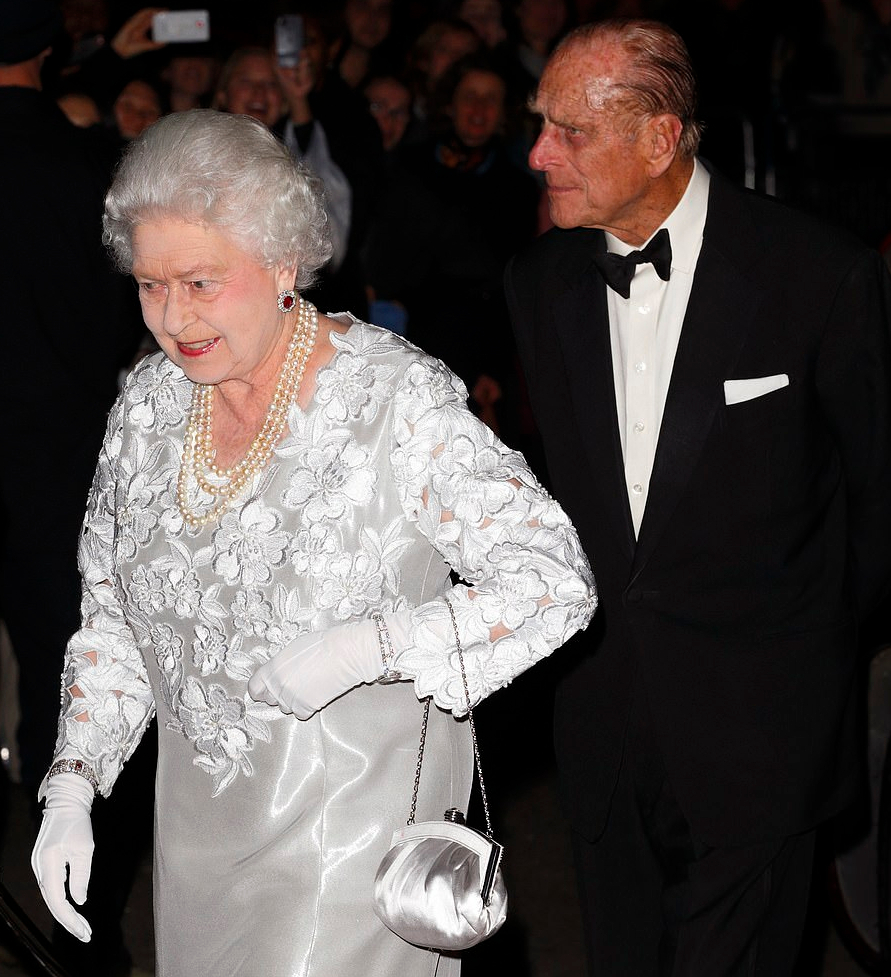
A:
(711, 376)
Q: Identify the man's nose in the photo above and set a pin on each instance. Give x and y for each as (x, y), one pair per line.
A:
(542, 152)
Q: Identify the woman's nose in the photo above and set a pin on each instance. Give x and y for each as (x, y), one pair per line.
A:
(178, 312)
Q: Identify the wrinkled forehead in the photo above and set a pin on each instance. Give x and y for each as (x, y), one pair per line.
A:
(581, 81)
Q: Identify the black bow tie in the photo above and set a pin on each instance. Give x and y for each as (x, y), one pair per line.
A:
(618, 270)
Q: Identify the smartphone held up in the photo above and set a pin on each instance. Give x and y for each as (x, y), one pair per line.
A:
(288, 40)
(181, 26)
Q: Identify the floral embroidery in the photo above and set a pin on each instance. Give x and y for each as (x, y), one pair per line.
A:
(147, 590)
(251, 612)
(249, 544)
(168, 648)
(208, 649)
(155, 397)
(375, 486)
(221, 728)
(331, 472)
(311, 549)
(354, 388)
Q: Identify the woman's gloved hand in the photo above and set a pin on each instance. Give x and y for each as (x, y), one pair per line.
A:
(65, 842)
(318, 667)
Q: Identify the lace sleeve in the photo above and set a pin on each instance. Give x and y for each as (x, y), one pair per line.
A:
(478, 503)
(106, 699)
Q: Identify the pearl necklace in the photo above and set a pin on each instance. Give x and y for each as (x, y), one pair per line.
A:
(198, 466)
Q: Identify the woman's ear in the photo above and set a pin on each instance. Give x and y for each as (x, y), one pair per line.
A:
(286, 276)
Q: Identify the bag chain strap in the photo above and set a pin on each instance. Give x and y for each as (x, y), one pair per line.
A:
(476, 748)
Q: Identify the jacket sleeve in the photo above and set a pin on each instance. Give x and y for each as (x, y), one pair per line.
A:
(529, 583)
(853, 378)
(106, 698)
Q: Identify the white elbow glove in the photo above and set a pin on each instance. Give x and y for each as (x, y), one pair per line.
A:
(65, 842)
(318, 667)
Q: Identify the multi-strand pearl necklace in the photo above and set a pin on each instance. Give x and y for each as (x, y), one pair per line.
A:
(198, 465)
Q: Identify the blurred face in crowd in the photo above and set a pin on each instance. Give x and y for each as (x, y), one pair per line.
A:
(593, 157)
(315, 46)
(484, 16)
(477, 107)
(541, 21)
(83, 17)
(81, 110)
(136, 108)
(368, 21)
(192, 76)
(253, 89)
(450, 47)
(389, 102)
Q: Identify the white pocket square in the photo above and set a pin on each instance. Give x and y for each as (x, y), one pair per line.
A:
(738, 391)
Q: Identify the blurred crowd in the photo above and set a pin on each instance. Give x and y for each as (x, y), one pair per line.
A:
(414, 116)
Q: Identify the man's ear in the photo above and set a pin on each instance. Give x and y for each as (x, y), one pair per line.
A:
(663, 136)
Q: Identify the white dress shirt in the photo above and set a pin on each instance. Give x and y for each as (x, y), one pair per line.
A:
(644, 333)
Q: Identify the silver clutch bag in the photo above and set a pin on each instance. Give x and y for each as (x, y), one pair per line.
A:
(440, 884)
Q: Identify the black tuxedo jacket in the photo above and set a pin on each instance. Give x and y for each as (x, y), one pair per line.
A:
(767, 531)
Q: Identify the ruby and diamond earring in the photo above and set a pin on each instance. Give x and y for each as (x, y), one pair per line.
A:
(287, 300)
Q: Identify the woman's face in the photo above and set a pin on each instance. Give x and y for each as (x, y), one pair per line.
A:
(136, 108)
(389, 101)
(254, 90)
(210, 306)
(368, 21)
(477, 107)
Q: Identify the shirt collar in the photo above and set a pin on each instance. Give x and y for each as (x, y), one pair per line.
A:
(685, 224)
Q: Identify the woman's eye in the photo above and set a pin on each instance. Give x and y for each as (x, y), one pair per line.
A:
(201, 285)
(148, 288)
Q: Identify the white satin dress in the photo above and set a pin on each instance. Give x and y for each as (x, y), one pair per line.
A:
(269, 830)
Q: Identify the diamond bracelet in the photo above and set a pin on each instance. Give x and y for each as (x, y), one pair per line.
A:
(390, 674)
(79, 767)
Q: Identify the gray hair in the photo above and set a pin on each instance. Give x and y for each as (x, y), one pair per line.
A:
(658, 76)
(228, 171)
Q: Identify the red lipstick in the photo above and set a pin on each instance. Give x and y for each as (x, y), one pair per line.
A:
(197, 351)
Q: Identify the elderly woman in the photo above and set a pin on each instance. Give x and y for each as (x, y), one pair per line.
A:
(277, 506)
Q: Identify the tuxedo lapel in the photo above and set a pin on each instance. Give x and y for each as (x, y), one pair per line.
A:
(723, 304)
(581, 324)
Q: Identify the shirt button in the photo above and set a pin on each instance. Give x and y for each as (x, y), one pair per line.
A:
(639, 426)
(643, 309)
(640, 367)
(637, 488)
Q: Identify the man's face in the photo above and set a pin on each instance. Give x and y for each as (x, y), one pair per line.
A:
(595, 166)
(254, 90)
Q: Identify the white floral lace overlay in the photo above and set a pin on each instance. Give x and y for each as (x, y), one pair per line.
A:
(375, 491)
(106, 698)
(483, 509)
